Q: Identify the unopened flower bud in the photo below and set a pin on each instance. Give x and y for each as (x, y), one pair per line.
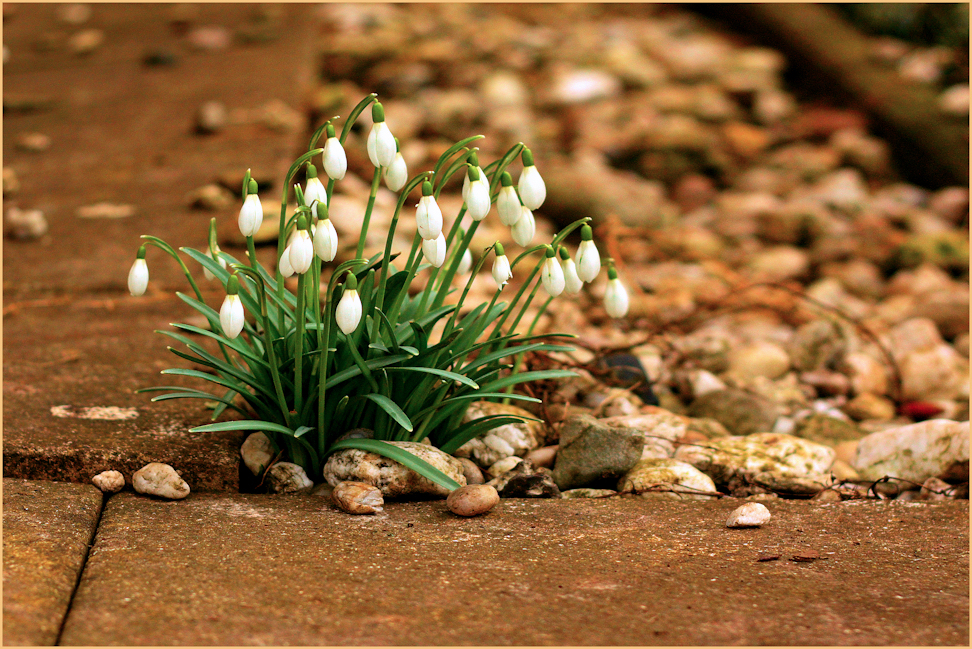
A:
(325, 236)
(381, 142)
(397, 174)
(251, 214)
(551, 274)
(501, 266)
(231, 317)
(507, 202)
(428, 216)
(588, 258)
(615, 296)
(435, 250)
(348, 312)
(301, 248)
(315, 191)
(533, 191)
(477, 196)
(335, 159)
(572, 283)
(138, 276)
(525, 227)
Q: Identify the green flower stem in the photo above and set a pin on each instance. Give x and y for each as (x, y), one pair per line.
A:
(451, 151)
(251, 251)
(299, 348)
(162, 245)
(375, 181)
(443, 288)
(519, 294)
(353, 116)
(465, 291)
(518, 359)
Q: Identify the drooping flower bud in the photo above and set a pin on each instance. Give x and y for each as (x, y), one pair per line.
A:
(501, 266)
(251, 214)
(138, 276)
(507, 202)
(435, 250)
(301, 248)
(533, 191)
(551, 274)
(325, 236)
(428, 216)
(572, 283)
(588, 258)
(348, 312)
(315, 191)
(473, 159)
(525, 227)
(231, 317)
(397, 174)
(381, 142)
(615, 296)
(477, 197)
(335, 159)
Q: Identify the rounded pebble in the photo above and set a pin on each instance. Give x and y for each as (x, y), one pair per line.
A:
(357, 498)
(109, 482)
(472, 500)
(749, 515)
(157, 479)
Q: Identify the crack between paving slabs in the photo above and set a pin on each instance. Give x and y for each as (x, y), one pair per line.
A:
(84, 564)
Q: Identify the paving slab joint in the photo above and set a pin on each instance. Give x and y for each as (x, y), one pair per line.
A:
(84, 563)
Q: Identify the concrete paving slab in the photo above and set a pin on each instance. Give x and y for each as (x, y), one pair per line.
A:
(47, 527)
(254, 570)
(122, 132)
(69, 405)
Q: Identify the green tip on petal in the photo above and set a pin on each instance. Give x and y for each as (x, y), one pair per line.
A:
(252, 187)
(141, 252)
(377, 113)
(321, 210)
(398, 147)
(329, 130)
(473, 159)
(233, 285)
(301, 222)
(549, 252)
(587, 234)
(473, 173)
(311, 171)
(426, 188)
(612, 274)
(499, 249)
(527, 157)
(506, 179)
(563, 253)
(351, 283)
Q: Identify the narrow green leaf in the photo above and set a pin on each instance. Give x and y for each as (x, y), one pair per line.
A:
(392, 409)
(401, 456)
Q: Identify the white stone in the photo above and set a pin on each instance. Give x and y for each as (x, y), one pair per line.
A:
(724, 457)
(866, 374)
(916, 452)
(257, 453)
(760, 358)
(392, 478)
(955, 100)
(704, 382)
(157, 479)
(500, 467)
(288, 478)
(579, 86)
(503, 441)
(109, 482)
(668, 478)
(749, 515)
(934, 373)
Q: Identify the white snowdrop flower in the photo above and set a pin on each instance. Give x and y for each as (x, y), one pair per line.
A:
(315, 192)
(348, 312)
(477, 197)
(381, 142)
(301, 248)
(397, 174)
(231, 317)
(428, 216)
(533, 191)
(525, 228)
(138, 276)
(588, 258)
(465, 264)
(507, 202)
(551, 274)
(501, 266)
(572, 283)
(435, 250)
(325, 236)
(283, 265)
(474, 161)
(335, 159)
(213, 254)
(615, 296)
(251, 214)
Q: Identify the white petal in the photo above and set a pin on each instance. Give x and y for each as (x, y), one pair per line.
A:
(552, 277)
(588, 261)
(397, 174)
(383, 146)
(501, 270)
(348, 312)
(572, 283)
(435, 250)
(373, 145)
(465, 183)
(508, 206)
(477, 201)
(428, 218)
(286, 269)
(138, 278)
(315, 192)
(616, 299)
(525, 227)
(335, 159)
(325, 240)
(301, 252)
(251, 215)
(231, 316)
(533, 191)
(465, 264)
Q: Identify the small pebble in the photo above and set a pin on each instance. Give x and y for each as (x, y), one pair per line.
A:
(87, 41)
(209, 39)
(500, 467)
(472, 472)
(211, 117)
(11, 184)
(749, 515)
(288, 478)
(357, 498)
(472, 500)
(25, 225)
(157, 479)
(74, 13)
(105, 211)
(212, 198)
(109, 482)
(34, 142)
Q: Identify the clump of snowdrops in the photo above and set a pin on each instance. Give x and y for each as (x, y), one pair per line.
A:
(355, 350)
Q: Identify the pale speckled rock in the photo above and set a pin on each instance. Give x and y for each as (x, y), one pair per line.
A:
(544, 456)
(500, 467)
(109, 482)
(588, 493)
(936, 372)
(472, 500)
(759, 358)
(526, 481)
(472, 472)
(671, 478)
(792, 485)
(740, 412)
(392, 478)
(816, 344)
(502, 441)
(288, 478)
(866, 374)
(257, 453)
(749, 515)
(934, 448)
(823, 429)
(157, 479)
(726, 457)
(869, 406)
(357, 498)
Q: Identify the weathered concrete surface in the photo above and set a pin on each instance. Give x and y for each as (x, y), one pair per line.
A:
(251, 570)
(47, 527)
